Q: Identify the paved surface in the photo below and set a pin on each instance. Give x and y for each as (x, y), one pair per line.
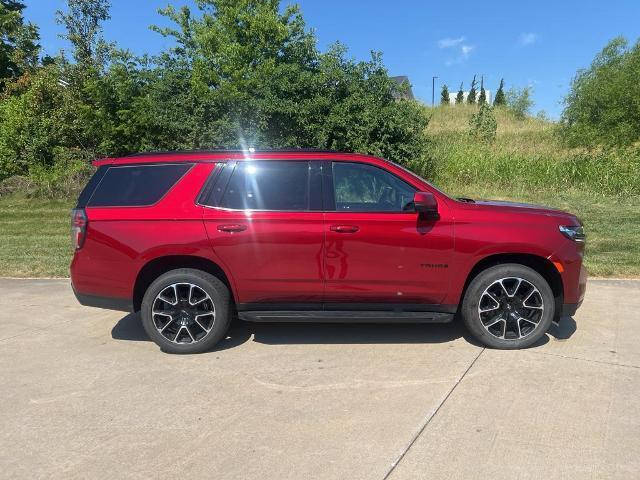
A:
(85, 395)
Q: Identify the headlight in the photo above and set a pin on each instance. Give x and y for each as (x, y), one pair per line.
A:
(575, 233)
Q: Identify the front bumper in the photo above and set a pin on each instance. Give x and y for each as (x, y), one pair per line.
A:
(569, 309)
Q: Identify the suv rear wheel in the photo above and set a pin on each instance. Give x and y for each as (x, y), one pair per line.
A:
(508, 306)
(186, 311)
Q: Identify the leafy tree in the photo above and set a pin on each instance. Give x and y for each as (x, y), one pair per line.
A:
(460, 95)
(444, 95)
(256, 78)
(242, 73)
(602, 107)
(482, 99)
(483, 125)
(519, 101)
(83, 23)
(471, 98)
(500, 99)
(19, 46)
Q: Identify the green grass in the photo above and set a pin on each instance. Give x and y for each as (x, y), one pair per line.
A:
(526, 154)
(35, 234)
(35, 237)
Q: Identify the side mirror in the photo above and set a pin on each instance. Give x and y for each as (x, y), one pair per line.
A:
(425, 204)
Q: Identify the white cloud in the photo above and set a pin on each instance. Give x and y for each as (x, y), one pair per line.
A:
(458, 45)
(467, 49)
(450, 42)
(527, 39)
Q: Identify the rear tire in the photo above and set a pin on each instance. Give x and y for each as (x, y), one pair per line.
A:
(509, 306)
(186, 311)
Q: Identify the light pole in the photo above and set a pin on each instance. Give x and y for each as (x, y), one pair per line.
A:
(433, 91)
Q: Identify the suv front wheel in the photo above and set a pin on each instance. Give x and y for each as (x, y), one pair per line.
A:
(508, 306)
(186, 311)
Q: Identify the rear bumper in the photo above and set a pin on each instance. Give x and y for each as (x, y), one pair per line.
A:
(110, 303)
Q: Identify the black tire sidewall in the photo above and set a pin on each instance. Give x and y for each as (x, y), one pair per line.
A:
(220, 297)
(487, 277)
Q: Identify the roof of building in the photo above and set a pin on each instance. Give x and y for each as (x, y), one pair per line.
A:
(401, 80)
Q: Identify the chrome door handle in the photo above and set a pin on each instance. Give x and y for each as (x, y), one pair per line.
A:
(232, 228)
(344, 228)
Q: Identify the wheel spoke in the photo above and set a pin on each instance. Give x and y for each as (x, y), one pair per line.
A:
(532, 307)
(494, 300)
(504, 289)
(499, 319)
(197, 320)
(166, 325)
(528, 321)
(175, 339)
(189, 332)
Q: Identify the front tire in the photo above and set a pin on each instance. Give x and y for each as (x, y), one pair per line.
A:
(186, 311)
(508, 306)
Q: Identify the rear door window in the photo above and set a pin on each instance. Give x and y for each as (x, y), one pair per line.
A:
(138, 185)
(268, 185)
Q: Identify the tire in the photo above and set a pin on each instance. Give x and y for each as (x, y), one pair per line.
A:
(497, 294)
(197, 320)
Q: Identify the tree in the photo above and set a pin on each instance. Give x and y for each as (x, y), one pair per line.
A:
(241, 73)
(500, 99)
(460, 95)
(482, 99)
(444, 95)
(519, 101)
(83, 22)
(471, 98)
(602, 107)
(19, 47)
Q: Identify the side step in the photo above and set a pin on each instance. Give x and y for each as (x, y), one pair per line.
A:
(324, 316)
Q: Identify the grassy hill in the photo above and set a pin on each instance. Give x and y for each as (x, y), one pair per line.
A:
(527, 162)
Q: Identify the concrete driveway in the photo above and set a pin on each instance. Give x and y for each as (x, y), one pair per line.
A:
(85, 395)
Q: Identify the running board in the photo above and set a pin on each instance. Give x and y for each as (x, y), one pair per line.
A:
(324, 316)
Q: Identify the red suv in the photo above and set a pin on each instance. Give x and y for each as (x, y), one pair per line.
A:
(189, 239)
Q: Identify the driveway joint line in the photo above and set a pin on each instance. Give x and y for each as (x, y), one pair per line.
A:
(427, 421)
(603, 362)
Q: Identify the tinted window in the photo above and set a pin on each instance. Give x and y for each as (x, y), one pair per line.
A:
(365, 188)
(136, 186)
(270, 185)
(87, 191)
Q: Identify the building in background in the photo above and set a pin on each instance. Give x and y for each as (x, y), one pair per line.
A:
(452, 96)
(401, 80)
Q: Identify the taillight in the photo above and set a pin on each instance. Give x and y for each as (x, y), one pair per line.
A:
(78, 227)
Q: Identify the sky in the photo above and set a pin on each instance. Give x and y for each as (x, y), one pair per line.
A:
(539, 44)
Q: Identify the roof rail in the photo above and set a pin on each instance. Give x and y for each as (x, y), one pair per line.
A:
(222, 150)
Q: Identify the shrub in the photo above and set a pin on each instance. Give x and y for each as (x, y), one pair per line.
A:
(483, 125)
(519, 101)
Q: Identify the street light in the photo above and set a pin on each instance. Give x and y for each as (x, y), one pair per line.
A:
(433, 90)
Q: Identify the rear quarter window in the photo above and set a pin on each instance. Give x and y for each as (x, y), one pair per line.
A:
(135, 186)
